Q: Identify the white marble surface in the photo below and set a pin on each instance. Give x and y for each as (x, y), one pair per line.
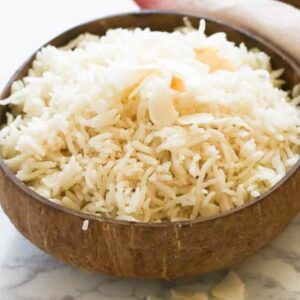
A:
(26, 273)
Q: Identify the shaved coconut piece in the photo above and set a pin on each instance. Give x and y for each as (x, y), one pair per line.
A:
(188, 71)
(196, 119)
(181, 295)
(160, 102)
(231, 287)
(210, 57)
(178, 84)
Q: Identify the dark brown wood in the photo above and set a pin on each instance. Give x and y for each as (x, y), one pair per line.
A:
(295, 3)
(165, 250)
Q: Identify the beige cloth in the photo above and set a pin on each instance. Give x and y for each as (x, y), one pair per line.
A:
(273, 20)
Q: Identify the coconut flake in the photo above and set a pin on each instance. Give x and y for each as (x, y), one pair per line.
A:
(231, 287)
(160, 102)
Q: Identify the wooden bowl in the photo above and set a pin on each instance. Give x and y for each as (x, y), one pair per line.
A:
(166, 250)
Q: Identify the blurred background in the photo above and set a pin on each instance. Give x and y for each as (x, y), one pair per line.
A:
(145, 3)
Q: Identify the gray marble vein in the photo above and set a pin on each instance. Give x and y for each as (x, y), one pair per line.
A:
(27, 273)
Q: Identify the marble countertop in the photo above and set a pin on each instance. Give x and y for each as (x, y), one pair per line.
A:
(27, 273)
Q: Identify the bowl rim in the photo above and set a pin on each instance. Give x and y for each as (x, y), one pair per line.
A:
(92, 217)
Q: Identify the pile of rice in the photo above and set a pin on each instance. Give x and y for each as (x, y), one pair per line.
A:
(150, 126)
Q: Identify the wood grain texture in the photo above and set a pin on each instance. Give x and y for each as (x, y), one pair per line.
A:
(166, 250)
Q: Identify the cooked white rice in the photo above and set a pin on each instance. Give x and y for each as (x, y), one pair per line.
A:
(149, 126)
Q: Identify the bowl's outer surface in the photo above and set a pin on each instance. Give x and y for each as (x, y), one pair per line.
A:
(166, 250)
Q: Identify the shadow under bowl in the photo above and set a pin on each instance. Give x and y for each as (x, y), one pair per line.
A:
(166, 250)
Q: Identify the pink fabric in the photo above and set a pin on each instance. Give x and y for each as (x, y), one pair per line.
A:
(273, 20)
